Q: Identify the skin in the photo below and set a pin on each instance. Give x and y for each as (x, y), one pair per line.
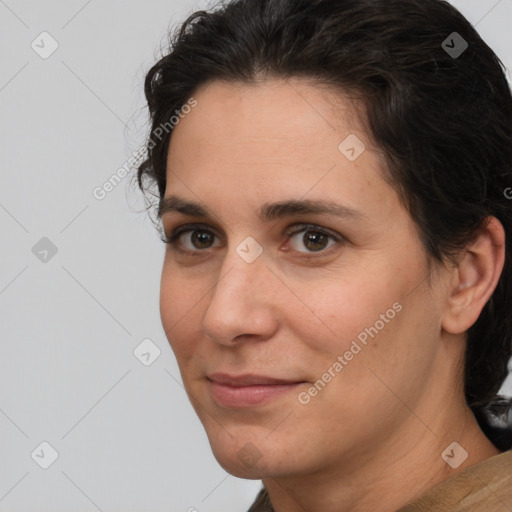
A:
(372, 438)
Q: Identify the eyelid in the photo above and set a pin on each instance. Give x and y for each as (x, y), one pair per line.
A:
(305, 226)
(190, 227)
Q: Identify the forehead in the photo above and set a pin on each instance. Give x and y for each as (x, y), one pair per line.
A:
(291, 109)
(262, 139)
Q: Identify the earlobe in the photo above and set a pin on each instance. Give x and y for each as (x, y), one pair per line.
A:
(475, 278)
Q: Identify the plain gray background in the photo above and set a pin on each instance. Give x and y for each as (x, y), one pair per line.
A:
(126, 436)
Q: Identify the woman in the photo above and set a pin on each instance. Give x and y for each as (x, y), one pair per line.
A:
(332, 180)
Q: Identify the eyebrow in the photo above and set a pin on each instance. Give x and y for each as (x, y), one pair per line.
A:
(267, 212)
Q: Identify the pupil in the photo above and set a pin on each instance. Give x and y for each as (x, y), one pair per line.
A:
(314, 238)
(202, 237)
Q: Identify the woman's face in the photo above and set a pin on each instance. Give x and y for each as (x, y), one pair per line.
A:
(340, 310)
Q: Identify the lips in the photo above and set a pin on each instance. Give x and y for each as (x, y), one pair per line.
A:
(248, 390)
(248, 380)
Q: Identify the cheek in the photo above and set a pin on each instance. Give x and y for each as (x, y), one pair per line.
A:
(341, 310)
(169, 306)
(178, 312)
(383, 333)
(373, 300)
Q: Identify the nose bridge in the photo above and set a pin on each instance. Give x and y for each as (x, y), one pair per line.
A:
(239, 302)
(244, 268)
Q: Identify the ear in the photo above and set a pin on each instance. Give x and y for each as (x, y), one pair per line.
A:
(474, 279)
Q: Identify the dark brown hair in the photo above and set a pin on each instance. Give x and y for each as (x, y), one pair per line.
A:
(442, 120)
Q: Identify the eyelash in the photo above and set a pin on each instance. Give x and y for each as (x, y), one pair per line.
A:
(297, 228)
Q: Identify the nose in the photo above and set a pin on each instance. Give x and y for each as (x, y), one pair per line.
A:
(242, 303)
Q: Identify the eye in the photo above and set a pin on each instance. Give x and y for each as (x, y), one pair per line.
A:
(197, 238)
(314, 238)
(193, 237)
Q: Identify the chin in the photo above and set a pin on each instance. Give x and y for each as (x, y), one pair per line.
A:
(236, 468)
(249, 457)
(242, 460)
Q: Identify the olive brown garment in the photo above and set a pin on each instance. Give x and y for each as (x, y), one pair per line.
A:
(483, 487)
